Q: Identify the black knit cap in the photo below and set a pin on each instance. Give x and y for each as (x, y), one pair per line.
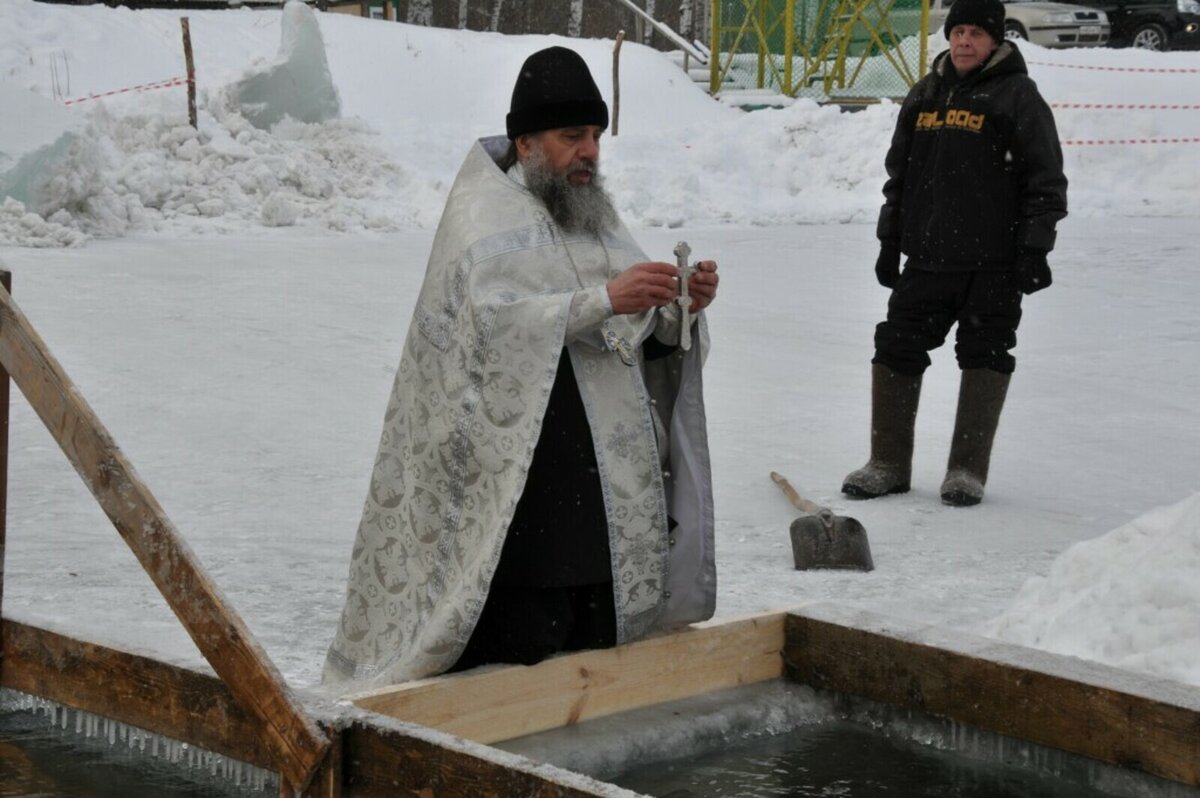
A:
(986, 14)
(555, 89)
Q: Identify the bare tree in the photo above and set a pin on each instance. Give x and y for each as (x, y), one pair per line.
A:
(462, 14)
(420, 12)
(575, 23)
(687, 25)
(496, 15)
(648, 31)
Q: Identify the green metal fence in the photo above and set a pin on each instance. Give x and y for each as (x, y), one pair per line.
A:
(823, 49)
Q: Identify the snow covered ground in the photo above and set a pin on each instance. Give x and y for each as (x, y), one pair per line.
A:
(232, 303)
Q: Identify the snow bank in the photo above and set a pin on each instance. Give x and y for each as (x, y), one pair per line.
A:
(155, 172)
(1129, 598)
(269, 152)
(297, 84)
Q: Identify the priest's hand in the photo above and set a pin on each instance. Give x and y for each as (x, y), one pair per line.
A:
(644, 286)
(702, 288)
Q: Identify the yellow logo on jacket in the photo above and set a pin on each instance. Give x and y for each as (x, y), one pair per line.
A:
(955, 117)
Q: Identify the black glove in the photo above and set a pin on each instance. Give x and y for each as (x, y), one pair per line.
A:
(1033, 273)
(887, 265)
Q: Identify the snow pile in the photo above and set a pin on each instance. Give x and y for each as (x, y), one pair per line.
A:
(156, 172)
(297, 84)
(804, 164)
(269, 151)
(1129, 598)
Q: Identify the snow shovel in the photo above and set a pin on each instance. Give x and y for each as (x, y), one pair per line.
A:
(821, 539)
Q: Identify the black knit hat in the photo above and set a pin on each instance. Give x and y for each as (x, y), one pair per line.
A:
(986, 14)
(554, 90)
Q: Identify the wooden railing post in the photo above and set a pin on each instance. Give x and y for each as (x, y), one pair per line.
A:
(296, 743)
(6, 281)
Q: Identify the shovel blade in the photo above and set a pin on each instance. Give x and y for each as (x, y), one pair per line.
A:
(826, 540)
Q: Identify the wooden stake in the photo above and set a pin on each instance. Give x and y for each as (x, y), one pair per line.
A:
(296, 742)
(191, 70)
(6, 281)
(617, 81)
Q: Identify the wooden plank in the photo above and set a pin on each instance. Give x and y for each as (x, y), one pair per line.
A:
(296, 742)
(192, 707)
(382, 762)
(376, 756)
(1115, 716)
(513, 701)
(6, 282)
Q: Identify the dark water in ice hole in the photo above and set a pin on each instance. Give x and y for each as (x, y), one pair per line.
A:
(41, 760)
(843, 759)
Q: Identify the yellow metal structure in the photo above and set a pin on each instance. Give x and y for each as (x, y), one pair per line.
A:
(824, 49)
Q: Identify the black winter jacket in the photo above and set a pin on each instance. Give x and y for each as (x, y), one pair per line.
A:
(974, 169)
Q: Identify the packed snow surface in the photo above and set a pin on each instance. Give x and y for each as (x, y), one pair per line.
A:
(233, 298)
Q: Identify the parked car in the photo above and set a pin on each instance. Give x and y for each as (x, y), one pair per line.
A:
(1058, 24)
(1152, 24)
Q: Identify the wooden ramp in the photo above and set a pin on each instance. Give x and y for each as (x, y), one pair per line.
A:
(430, 737)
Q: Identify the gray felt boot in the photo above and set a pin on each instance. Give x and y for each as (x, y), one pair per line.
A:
(893, 415)
(980, 400)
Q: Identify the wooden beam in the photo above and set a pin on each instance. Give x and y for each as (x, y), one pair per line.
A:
(6, 282)
(192, 707)
(296, 743)
(372, 756)
(382, 762)
(501, 704)
(1115, 716)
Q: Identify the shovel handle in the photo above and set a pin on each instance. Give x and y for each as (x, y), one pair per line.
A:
(799, 502)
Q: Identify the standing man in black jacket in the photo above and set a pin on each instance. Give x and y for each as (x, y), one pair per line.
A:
(975, 188)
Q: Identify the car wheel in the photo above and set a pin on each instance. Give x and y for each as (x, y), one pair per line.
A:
(1015, 30)
(1149, 36)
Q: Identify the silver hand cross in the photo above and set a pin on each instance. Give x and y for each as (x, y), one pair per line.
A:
(682, 250)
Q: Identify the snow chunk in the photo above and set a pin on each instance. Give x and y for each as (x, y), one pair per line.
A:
(278, 211)
(1128, 598)
(297, 83)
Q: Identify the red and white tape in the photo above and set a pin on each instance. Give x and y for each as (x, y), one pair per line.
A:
(1177, 71)
(161, 84)
(1088, 142)
(1127, 106)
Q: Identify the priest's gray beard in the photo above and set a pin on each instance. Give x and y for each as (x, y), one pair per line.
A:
(585, 208)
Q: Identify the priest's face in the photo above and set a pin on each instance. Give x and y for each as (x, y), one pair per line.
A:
(571, 152)
(561, 170)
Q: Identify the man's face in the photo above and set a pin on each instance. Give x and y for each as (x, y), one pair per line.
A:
(570, 152)
(970, 46)
(562, 170)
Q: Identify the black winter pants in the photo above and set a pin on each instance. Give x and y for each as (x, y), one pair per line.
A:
(924, 306)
